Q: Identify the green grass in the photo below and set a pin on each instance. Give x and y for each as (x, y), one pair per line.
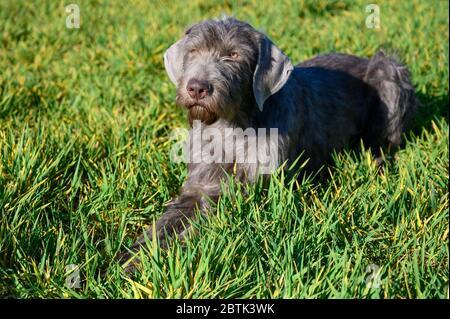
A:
(85, 118)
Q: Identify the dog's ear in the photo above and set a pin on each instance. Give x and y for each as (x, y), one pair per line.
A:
(271, 73)
(173, 60)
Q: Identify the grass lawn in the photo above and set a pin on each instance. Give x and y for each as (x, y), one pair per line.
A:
(85, 119)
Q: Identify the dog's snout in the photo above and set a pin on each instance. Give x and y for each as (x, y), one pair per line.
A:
(198, 89)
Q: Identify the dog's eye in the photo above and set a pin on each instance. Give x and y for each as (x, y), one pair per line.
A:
(192, 50)
(234, 55)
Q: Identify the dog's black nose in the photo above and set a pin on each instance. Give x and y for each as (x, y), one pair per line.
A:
(198, 89)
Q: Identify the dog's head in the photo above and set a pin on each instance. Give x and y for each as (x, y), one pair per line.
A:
(222, 67)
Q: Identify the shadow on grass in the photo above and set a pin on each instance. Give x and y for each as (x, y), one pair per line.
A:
(431, 108)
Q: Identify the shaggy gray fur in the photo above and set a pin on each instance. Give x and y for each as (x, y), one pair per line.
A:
(230, 75)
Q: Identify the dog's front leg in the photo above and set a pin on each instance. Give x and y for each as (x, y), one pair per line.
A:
(175, 221)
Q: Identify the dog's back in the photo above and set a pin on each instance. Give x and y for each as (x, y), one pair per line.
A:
(386, 90)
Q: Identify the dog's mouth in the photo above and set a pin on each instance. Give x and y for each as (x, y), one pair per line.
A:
(199, 111)
(195, 105)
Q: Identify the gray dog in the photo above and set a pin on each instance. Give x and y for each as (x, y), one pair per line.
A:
(229, 75)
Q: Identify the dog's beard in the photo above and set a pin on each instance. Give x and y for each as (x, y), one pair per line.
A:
(201, 113)
(198, 110)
